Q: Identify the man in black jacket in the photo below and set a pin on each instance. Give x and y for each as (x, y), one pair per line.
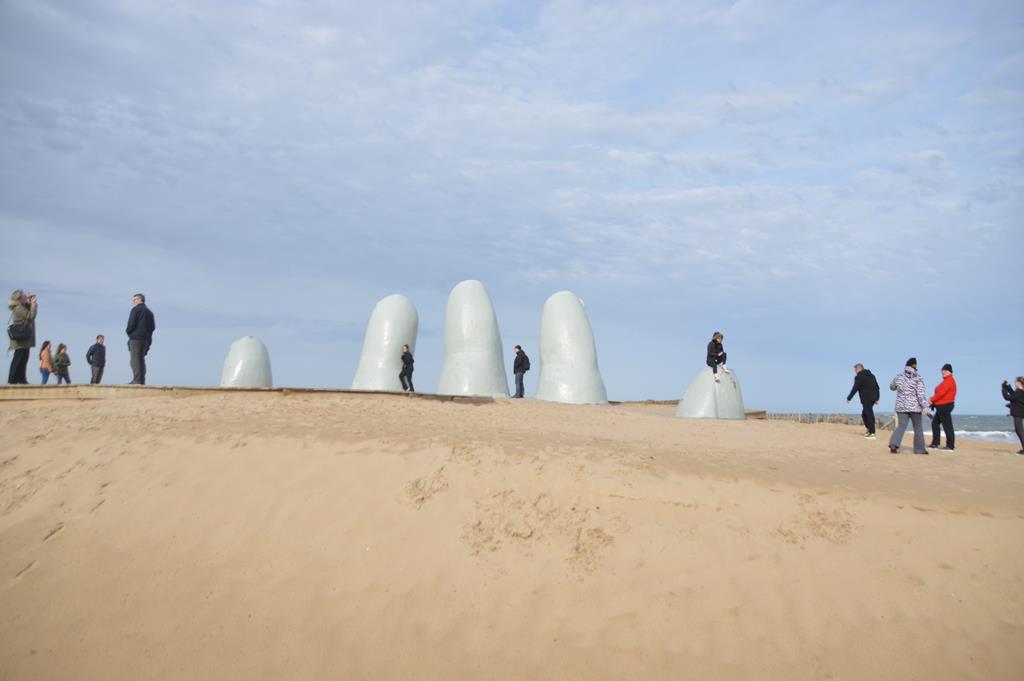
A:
(97, 359)
(867, 386)
(141, 325)
(519, 368)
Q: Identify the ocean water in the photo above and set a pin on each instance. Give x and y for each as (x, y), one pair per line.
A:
(974, 427)
(988, 428)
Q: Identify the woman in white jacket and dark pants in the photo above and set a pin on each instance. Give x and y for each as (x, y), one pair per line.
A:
(911, 400)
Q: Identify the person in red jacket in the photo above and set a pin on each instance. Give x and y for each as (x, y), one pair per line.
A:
(942, 401)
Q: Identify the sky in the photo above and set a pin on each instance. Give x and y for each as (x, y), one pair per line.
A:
(824, 182)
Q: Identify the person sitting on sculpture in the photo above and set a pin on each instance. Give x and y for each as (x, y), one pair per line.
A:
(405, 376)
(716, 354)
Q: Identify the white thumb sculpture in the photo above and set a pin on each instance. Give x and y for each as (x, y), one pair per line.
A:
(473, 361)
(568, 356)
(710, 399)
(393, 323)
(247, 365)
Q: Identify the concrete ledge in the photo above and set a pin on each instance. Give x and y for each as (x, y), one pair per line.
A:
(86, 391)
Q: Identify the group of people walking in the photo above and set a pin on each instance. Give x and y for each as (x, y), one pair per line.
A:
(21, 330)
(911, 403)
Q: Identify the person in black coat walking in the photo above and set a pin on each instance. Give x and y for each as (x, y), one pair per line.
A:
(405, 375)
(1016, 405)
(97, 359)
(716, 353)
(141, 325)
(866, 385)
(519, 367)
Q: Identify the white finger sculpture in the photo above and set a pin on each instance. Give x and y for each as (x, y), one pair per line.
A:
(393, 323)
(473, 361)
(568, 356)
(710, 399)
(247, 365)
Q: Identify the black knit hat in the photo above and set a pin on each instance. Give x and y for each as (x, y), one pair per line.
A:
(912, 362)
(947, 367)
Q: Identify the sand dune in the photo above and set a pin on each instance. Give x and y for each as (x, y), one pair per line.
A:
(290, 536)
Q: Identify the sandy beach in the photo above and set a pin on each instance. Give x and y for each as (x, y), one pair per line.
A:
(344, 536)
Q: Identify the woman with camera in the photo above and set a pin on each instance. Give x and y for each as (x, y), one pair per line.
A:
(21, 330)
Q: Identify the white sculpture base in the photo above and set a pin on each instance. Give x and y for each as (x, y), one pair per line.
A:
(568, 355)
(247, 365)
(473, 360)
(708, 399)
(393, 323)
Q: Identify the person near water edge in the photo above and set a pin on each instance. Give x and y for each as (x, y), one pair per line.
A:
(866, 385)
(942, 401)
(910, 402)
(1015, 401)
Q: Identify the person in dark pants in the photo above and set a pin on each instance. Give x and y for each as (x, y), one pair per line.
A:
(61, 364)
(942, 401)
(141, 325)
(405, 376)
(866, 385)
(1015, 398)
(97, 359)
(23, 307)
(716, 353)
(519, 368)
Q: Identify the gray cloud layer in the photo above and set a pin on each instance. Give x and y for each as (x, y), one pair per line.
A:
(830, 184)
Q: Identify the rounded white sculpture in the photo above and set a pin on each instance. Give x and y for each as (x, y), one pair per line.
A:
(247, 365)
(473, 361)
(568, 356)
(393, 323)
(710, 399)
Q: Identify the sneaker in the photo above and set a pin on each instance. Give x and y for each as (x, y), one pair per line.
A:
(717, 379)
(893, 449)
(869, 436)
(1020, 453)
(725, 368)
(948, 449)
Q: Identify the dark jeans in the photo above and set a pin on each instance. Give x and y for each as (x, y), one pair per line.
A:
(137, 350)
(97, 374)
(1018, 425)
(520, 390)
(19, 365)
(63, 376)
(944, 417)
(902, 419)
(867, 414)
(405, 376)
(713, 363)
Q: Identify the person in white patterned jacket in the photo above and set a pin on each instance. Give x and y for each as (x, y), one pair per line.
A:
(911, 400)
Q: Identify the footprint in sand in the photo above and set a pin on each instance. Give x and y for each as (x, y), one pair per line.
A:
(57, 528)
(25, 569)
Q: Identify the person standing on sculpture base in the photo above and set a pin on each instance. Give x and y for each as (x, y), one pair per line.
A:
(519, 368)
(405, 376)
(141, 325)
(97, 359)
(866, 386)
(716, 354)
